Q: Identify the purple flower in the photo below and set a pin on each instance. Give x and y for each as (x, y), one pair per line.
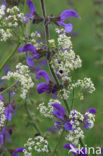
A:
(4, 3)
(52, 130)
(1, 140)
(101, 151)
(6, 68)
(64, 15)
(68, 126)
(8, 112)
(48, 87)
(32, 9)
(18, 150)
(1, 97)
(59, 111)
(5, 134)
(88, 122)
(29, 47)
(58, 124)
(92, 111)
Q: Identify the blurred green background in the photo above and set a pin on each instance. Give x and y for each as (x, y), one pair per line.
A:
(87, 44)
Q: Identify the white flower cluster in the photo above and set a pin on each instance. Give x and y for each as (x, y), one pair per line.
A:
(64, 61)
(47, 111)
(86, 84)
(35, 39)
(2, 11)
(10, 19)
(2, 114)
(21, 75)
(90, 119)
(38, 144)
(77, 133)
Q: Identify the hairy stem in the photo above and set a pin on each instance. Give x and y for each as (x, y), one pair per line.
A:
(45, 24)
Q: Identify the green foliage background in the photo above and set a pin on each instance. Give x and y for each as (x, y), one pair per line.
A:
(85, 44)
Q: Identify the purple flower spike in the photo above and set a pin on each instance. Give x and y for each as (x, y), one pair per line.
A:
(92, 111)
(59, 111)
(64, 15)
(32, 9)
(18, 150)
(68, 126)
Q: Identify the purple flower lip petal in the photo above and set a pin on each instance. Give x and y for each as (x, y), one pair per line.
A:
(32, 10)
(68, 126)
(43, 74)
(64, 15)
(29, 61)
(18, 150)
(59, 111)
(28, 47)
(68, 13)
(31, 6)
(92, 111)
(43, 87)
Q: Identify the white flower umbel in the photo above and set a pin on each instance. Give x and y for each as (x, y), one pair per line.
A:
(47, 110)
(85, 84)
(2, 114)
(39, 144)
(64, 60)
(21, 75)
(10, 20)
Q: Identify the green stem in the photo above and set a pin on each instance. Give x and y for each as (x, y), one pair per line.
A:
(7, 88)
(9, 57)
(58, 143)
(72, 106)
(30, 118)
(23, 25)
